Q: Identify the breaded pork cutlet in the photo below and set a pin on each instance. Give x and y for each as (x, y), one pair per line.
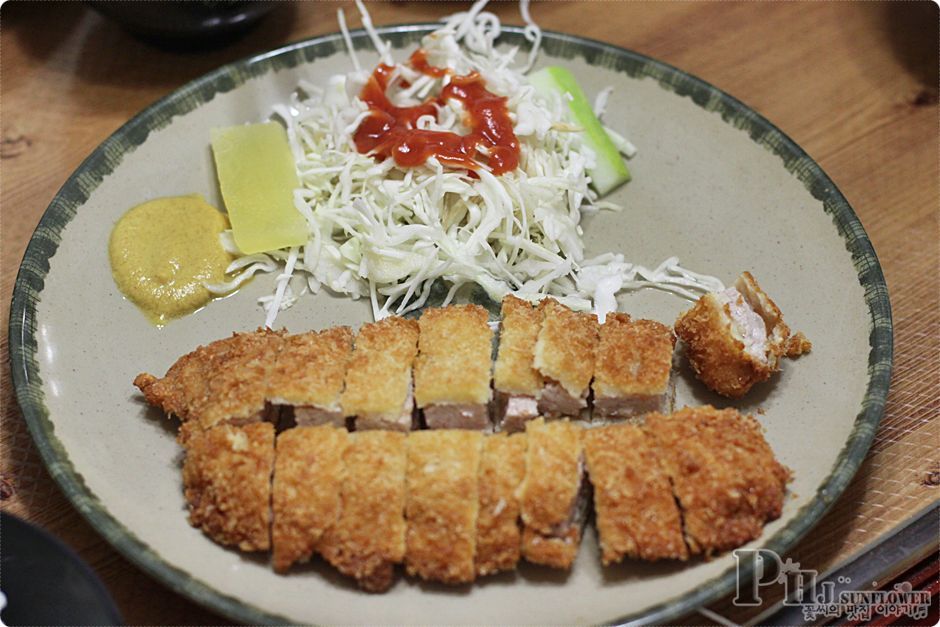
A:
(502, 468)
(308, 475)
(735, 338)
(227, 483)
(368, 538)
(442, 504)
(183, 389)
(223, 382)
(516, 381)
(379, 390)
(239, 377)
(554, 493)
(636, 513)
(308, 375)
(452, 371)
(564, 356)
(632, 366)
(724, 475)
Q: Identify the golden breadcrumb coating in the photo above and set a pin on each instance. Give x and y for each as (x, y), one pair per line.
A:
(442, 504)
(716, 356)
(379, 374)
(454, 356)
(635, 511)
(502, 467)
(549, 492)
(554, 551)
(514, 371)
(553, 473)
(227, 484)
(238, 377)
(183, 390)
(724, 475)
(308, 475)
(225, 381)
(798, 345)
(368, 538)
(310, 368)
(564, 351)
(633, 357)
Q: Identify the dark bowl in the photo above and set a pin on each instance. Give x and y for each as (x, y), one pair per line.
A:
(194, 24)
(46, 583)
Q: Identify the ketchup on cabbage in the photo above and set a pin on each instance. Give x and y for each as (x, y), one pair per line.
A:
(392, 131)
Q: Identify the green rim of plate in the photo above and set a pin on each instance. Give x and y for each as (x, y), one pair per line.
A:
(102, 162)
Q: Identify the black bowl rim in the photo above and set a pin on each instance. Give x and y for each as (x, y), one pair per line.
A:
(102, 604)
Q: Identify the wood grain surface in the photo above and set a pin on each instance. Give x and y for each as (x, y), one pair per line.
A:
(854, 83)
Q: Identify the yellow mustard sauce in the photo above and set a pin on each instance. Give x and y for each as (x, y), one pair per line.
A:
(163, 251)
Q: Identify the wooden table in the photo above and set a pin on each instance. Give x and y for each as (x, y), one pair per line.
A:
(855, 84)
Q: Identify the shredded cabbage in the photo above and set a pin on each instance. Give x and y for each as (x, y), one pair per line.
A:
(388, 233)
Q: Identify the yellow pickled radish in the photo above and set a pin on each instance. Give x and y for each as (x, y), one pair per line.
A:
(258, 178)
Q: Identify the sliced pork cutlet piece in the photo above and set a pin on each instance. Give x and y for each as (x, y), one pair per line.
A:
(632, 366)
(502, 468)
(554, 495)
(564, 356)
(379, 391)
(368, 538)
(735, 338)
(223, 382)
(308, 375)
(636, 514)
(723, 473)
(227, 484)
(238, 379)
(442, 504)
(308, 475)
(452, 370)
(515, 379)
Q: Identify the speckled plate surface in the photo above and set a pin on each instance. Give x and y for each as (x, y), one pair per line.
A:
(714, 183)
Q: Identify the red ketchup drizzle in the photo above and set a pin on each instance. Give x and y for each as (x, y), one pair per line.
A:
(391, 131)
(419, 61)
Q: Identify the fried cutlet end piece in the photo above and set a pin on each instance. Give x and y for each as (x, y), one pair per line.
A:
(636, 514)
(368, 538)
(632, 366)
(227, 484)
(442, 504)
(379, 389)
(717, 358)
(452, 370)
(308, 375)
(183, 390)
(564, 356)
(553, 494)
(308, 475)
(735, 338)
(223, 382)
(502, 468)
(516, 381)
(724, 475)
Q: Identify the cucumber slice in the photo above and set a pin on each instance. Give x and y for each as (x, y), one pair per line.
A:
(609, 171)
(258, 178)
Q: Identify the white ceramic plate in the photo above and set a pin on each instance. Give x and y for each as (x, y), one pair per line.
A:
(714, 183)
